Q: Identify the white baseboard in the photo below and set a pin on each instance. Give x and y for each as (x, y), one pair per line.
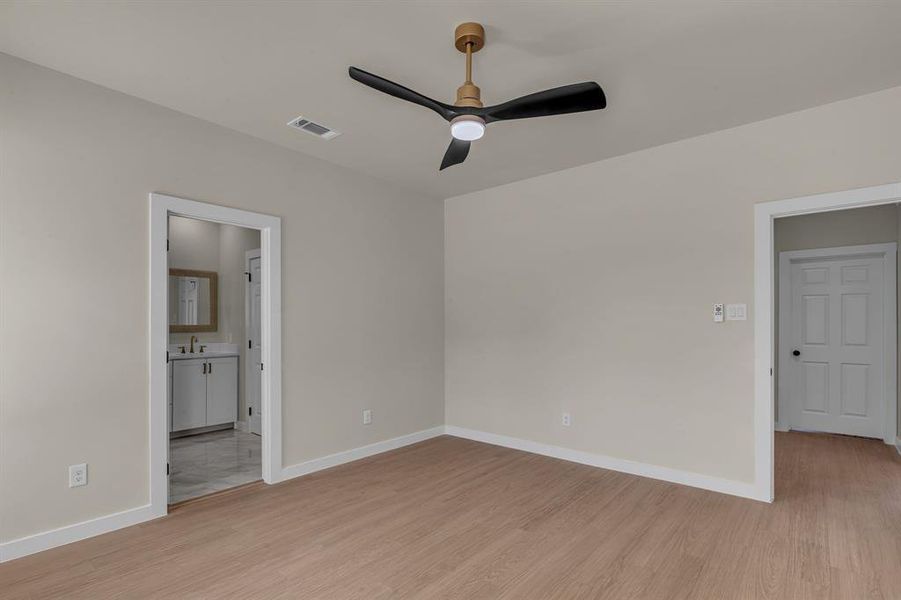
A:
(781, 426)
(898, 445)
(706, 482)
(339, 458)
(73, 533)
(242, 426)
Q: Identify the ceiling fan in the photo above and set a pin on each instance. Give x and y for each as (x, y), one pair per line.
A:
(468, 117)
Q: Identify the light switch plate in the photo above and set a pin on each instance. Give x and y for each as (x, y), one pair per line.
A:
(736, 312)
(367, 417)
(717, 313)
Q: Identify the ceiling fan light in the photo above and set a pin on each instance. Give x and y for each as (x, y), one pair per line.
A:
(467, 128)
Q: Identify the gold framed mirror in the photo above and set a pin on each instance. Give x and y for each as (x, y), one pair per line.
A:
(193, 301)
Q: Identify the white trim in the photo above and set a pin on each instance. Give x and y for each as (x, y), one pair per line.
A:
(161, 206)
(764, 214)
(838, 252)
(339, 458)
(73, 533)
(242, 426)
(706, 482)
(889, 254)
(782, 423)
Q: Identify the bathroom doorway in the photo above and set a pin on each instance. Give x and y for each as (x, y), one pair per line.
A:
(212, 446)
(215, 398)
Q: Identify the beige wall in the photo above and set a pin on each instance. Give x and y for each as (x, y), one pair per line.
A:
(870, 225)
(590, 290)
(193, 244)
(362, 290)
(857, 226)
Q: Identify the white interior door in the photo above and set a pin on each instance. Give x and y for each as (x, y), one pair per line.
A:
(837, 345)
(253, 360)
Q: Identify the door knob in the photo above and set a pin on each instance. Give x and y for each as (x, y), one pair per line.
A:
(796, 353)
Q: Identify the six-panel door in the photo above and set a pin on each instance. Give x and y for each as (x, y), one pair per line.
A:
(836, 325)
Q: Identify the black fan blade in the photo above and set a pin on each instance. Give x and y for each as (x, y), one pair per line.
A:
(578, 97)
(456, 153)
(398, 91)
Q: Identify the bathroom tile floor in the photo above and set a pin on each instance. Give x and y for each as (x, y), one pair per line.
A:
(212, 462)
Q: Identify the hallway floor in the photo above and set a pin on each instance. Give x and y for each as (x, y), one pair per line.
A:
(212, 462)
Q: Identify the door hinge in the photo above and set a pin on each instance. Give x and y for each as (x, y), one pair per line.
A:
(167, 244)
(250, 411)
(771, 372)
(167, 468)
(261, 366)
(167, 356)
(249, 276)
(249, 344)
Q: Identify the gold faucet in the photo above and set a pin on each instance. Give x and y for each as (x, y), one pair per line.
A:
(193, 339)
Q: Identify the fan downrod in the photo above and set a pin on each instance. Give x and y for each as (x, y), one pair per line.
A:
(469, 38)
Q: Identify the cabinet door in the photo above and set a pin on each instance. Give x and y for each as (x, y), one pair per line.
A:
(222, 391)
(188, 394)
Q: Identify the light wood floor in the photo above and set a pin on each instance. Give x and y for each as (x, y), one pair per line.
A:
(450, 518)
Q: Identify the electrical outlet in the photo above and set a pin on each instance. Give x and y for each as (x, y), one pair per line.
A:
(566, 420)
(78, 475)
(367, 417)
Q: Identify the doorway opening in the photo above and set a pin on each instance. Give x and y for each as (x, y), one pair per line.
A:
(215, 357)
(836, 323)
(214, 379)
(825, 331)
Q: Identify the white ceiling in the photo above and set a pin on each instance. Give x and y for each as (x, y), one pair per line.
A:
(671, 70)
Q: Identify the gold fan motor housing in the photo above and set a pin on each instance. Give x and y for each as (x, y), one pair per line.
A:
(469, 94)
(469, 38)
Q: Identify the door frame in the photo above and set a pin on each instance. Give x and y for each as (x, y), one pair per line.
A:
(248, 256)
(764, 344)
(161, 207)
(889, 253)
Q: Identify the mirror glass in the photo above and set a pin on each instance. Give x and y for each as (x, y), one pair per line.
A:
(193, 299)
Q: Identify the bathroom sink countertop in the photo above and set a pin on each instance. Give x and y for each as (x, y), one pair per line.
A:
(187, 355)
